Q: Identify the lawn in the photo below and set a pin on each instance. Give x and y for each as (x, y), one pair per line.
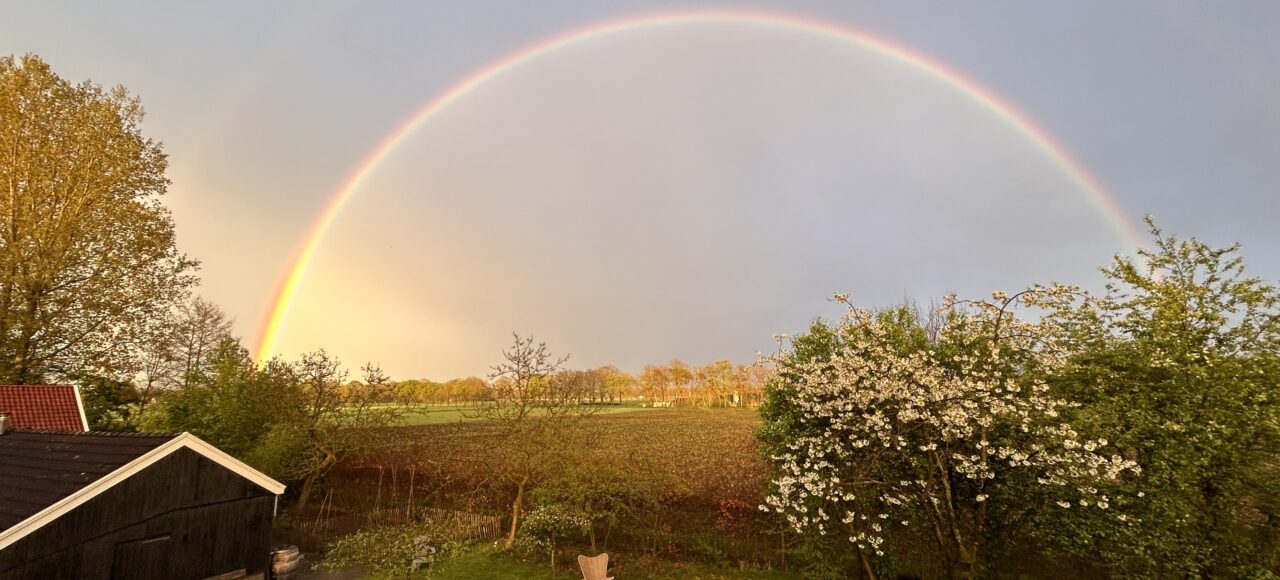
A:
(489, 563)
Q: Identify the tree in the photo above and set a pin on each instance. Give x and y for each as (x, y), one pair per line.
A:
(890, 424)
(619, 385)
(198, 327)
(716, 381)
(654, 381)
(87, 252)
(533, 416)
(292, 420)
(1178, 364)
(232, 403)
(109, 404)
(681, 377)
(327, 421)
(176, 349)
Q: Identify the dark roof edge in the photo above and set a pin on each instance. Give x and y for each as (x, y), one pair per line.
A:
(96, 433)
(102, 484)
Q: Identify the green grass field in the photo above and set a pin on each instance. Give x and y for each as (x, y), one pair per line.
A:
(488, 563)
(439, 414)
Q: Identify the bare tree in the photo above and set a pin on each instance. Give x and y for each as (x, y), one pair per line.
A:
(198, 327)
(534, 417)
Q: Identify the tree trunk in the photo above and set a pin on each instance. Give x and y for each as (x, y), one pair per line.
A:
(515, 512)
(306, 491)
(963, 569)
(329, 460)
(866, 565)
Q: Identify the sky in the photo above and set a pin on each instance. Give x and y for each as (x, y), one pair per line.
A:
(671, 191)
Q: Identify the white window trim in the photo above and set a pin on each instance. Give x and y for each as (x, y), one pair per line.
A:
(106, 482)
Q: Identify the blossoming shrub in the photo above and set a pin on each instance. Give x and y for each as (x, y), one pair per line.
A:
(889, 425)
(549, 525)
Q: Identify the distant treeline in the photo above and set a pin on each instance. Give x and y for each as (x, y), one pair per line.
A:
(718, 384)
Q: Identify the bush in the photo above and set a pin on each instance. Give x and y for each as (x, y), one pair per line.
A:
(389, 550)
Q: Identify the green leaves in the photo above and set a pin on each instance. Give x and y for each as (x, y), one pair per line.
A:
(1178, 364)
(87, 252)
(393, 551)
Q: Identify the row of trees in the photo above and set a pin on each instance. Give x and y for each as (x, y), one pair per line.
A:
(718, 384)
(1138, 431)
(721, 383)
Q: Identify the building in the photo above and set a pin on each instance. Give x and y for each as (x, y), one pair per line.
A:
(91, 505)
(43, 407)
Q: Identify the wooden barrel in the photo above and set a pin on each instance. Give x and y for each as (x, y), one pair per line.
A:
(285, 561)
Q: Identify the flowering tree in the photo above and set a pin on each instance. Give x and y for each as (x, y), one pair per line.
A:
(549, 522)
(928, 425)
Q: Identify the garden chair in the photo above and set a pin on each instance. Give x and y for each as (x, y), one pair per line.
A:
(595, 567)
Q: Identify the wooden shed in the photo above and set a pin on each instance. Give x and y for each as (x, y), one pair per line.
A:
(90, 505)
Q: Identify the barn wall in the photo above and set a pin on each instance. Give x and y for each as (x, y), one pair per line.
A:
(183, 517)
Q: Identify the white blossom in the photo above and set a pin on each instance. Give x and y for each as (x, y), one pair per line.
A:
(881, 412)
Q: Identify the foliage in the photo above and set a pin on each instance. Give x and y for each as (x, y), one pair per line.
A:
(293, 420)
(931, 425)
(782, 417)
(550, 525)
(717, 384)
(330, 420)
(1179, 365)
(422, 391)
(393, 551)
(109, 404)
(232, 404)
(604, 494)
(87, 252)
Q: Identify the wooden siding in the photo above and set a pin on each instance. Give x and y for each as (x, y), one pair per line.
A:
(183, 517)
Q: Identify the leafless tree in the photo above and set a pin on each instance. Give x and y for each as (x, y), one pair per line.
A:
(534, 416)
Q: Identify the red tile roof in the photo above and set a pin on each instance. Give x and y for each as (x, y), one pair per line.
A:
(42, 407)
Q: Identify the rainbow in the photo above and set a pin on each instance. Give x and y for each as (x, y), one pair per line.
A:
(278, 311)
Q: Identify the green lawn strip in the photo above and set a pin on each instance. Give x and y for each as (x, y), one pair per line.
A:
(488, 563)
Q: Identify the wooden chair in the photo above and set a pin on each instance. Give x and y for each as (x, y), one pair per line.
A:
(595, 567)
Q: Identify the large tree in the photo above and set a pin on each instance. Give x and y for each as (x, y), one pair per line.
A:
(1179, 365)
(87, 251)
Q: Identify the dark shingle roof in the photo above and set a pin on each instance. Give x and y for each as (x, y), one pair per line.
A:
(39, 468)
(41, 407)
